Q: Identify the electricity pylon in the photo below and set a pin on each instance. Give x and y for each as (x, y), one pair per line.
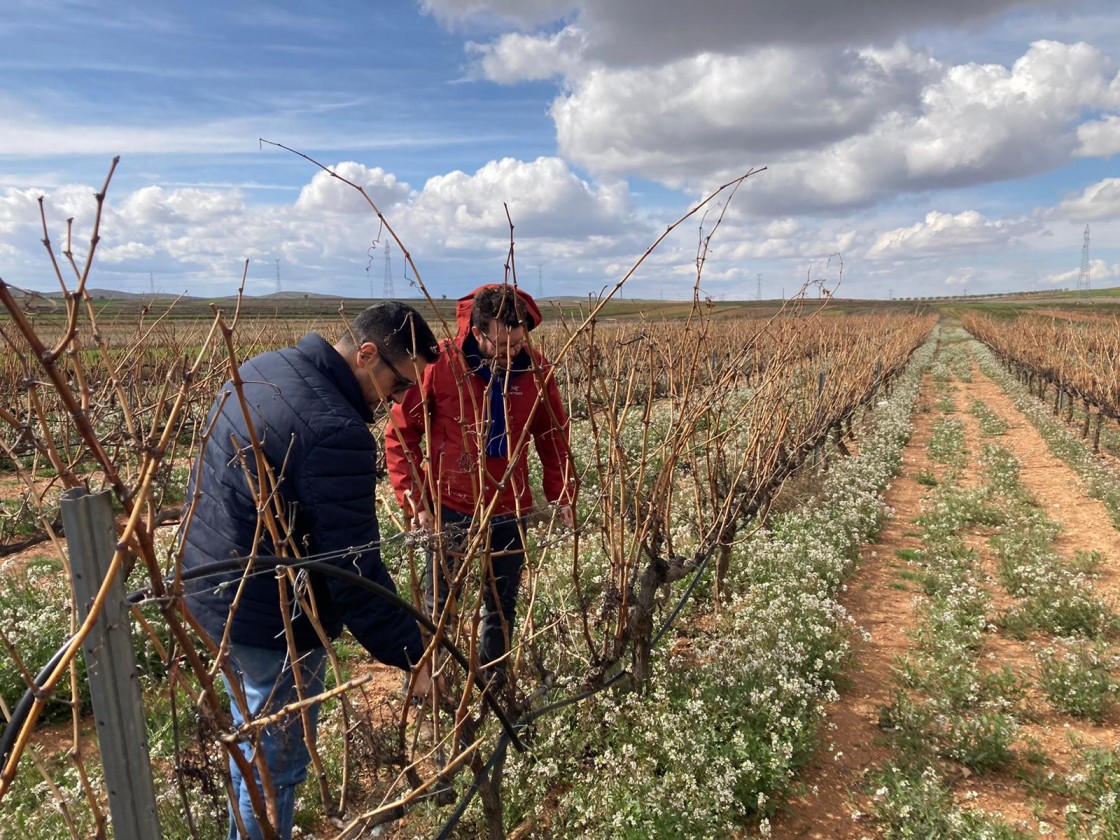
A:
(1083, 276)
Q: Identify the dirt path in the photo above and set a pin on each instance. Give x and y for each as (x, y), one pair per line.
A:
(880, 600)
(1086, 527)
(1057, 488)
(880, 603)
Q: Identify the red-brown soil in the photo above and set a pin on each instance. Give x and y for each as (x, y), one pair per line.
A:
(833, 803)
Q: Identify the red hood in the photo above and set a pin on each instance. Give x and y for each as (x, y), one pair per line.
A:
(466, 304)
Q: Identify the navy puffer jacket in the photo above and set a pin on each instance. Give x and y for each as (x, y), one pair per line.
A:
(309, 413)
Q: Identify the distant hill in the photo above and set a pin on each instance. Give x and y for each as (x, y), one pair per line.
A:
(31, 301)
(113, 294)
(294, 296)
(302, 305)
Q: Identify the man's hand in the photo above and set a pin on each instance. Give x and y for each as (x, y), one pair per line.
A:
(567, 516)
(422, 679)
(422, 520)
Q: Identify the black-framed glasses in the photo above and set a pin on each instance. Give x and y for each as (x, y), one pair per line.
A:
(498, 344)
(403, 382)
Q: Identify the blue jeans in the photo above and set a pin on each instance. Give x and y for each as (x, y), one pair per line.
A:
(266, 678)
(506, 559)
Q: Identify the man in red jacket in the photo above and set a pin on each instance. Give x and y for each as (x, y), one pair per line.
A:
(478, 406)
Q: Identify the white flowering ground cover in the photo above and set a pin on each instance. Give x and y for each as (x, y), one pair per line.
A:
(713, 747)
(1004, 721)
(1101, 476)
(742, 688)
(737, 696)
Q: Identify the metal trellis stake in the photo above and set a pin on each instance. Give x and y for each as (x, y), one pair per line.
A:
(818, 450)
(111, 665)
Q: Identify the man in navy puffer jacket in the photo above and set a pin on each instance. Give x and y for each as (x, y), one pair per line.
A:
(310, 407)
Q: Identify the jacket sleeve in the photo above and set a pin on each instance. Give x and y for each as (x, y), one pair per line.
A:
(337, 485)
(550, 436)
(404, 456)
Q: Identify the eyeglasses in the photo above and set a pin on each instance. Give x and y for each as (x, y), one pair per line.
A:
(513, 346)
(403, 382)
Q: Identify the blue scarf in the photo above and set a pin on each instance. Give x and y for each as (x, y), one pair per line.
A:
(497, 441)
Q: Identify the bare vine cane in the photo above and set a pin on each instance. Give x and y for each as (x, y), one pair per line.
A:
(782, 450)
(381, 220)
(270, 519)
(1079, 357)
(142, 492)
(388, 227)
(134, 529)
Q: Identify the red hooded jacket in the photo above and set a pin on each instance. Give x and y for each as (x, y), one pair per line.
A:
(454, 396)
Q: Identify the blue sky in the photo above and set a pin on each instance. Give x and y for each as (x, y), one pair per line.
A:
(939, 148)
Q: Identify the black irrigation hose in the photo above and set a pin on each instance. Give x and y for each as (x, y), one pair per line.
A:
(352, 577)
(684, 598)
(461, 808)
(500, 749)
(503, 742)
(529, 717)
(23, 708)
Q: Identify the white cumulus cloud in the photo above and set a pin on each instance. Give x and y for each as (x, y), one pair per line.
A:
(1097, 201)
(545, 199)
(984, 121)
(975, 124)
(711, 113)
(1099, 138)
(126, 252)
(155, 205)
(327, 231)
(944, 233)
(517, 57)
(1101, 273)
(843, 114)
(329, 194)
(961, 279)
(18, 208)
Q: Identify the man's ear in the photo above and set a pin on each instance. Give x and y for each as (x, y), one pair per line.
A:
(368, 354)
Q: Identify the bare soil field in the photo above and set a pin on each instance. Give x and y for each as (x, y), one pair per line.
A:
(834, 800)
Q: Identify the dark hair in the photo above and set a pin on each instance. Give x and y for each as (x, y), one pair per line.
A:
(397, 329)
(501, 304)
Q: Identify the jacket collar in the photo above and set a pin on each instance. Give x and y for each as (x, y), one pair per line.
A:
(522, 362)
(329, 363)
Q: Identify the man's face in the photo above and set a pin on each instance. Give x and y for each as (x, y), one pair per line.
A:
(499, 343)
(383, 380)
